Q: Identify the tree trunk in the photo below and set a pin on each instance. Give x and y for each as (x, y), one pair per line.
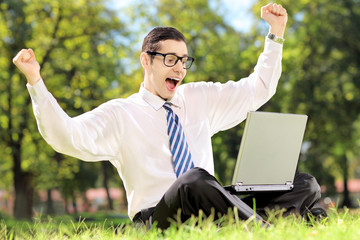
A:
(18, 120)
(346, 194)
(49, 203)
(104, 166)
(23, 196)
(73, 198)
(22, 180)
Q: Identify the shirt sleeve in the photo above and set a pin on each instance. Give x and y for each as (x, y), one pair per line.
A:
(228, 104)
(90, 136)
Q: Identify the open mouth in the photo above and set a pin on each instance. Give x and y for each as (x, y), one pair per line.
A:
(171, 83)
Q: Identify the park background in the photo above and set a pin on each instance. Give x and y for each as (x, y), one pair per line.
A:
(88, 51)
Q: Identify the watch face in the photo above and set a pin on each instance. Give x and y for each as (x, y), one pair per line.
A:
(275, 38)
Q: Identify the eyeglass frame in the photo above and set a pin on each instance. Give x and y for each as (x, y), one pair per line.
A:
(178, 58)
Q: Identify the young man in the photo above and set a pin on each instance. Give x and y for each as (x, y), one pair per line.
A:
(159, 139)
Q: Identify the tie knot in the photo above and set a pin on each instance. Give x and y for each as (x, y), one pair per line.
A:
(167, 106)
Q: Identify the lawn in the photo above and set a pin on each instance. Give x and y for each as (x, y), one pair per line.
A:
(342, 224)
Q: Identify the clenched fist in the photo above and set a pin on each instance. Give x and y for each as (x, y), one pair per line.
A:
(26, 62)
(276, 16)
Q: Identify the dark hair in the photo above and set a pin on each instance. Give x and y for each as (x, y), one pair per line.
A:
(158, 34)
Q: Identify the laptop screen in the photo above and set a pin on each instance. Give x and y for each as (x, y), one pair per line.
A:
(270, 148)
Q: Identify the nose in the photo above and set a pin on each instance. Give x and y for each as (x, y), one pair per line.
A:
(178, 66)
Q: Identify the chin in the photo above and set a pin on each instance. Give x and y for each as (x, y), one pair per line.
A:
(168, 96)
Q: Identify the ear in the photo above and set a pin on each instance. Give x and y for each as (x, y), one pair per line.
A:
(145, 60)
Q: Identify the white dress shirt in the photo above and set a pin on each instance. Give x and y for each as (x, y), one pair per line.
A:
(132, 133)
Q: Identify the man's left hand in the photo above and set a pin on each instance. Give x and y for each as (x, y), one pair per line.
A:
(276, 16)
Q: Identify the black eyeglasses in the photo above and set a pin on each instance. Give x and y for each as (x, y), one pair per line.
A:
(171, 60)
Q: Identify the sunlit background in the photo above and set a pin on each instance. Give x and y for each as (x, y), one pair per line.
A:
(89, 50)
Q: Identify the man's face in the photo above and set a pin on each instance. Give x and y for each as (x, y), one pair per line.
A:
(160, 79)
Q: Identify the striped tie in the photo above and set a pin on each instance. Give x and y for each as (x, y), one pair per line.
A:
(178, 145)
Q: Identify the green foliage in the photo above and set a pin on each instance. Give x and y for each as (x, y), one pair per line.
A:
(321, 79)
(88, 55)
(76, 45)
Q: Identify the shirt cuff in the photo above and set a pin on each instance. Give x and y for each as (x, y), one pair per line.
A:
(273, 46)
(38, 91)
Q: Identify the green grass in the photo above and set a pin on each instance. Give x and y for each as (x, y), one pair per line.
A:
(339, 225)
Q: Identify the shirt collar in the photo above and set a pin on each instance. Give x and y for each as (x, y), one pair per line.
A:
(154, 101)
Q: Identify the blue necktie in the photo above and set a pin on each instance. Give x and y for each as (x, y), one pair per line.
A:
(178, 145)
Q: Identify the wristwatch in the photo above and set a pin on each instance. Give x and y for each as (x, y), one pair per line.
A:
(276, 38)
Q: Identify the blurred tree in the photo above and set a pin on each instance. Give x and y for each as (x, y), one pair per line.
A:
(78, 45)
(321, 78)
(83, 49)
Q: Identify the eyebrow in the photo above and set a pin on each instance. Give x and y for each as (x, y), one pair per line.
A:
(185, 55)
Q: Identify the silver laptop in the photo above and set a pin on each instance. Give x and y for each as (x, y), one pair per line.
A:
(269, 152)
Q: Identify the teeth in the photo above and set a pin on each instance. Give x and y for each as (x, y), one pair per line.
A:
(175, 79)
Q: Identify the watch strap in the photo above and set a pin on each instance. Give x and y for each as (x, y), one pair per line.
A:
(276, 38)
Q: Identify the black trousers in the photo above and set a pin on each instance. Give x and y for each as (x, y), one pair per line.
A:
(198, 190)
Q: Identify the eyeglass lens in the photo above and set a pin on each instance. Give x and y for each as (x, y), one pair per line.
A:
(170, 60)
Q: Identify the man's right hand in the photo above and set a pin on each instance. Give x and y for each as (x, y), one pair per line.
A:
(26, 62)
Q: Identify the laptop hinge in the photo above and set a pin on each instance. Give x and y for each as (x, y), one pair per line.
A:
(288, 183)
(238, 186)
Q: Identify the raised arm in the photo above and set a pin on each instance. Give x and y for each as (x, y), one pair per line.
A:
(229, 103)
(90, 136)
